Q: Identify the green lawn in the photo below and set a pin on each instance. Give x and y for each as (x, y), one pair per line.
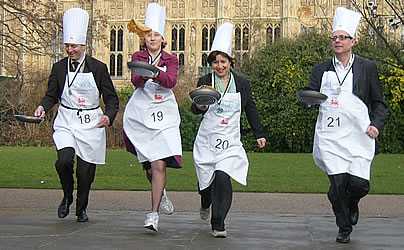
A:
(26, 167)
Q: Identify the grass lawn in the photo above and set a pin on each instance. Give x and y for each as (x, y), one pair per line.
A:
(27, 167)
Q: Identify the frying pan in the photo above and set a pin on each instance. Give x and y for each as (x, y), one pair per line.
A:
(142, 68)
(311, 97)
(204, 95)
(30, 119)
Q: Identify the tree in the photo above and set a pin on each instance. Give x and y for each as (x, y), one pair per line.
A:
(391, 12)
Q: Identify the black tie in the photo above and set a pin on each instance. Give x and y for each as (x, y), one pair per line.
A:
(75, 64)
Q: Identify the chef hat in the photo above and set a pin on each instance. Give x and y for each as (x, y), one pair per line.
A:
(346, 20)
(75, 22)
(223, 39)
(156, 17)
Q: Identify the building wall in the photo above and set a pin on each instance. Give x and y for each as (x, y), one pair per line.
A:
(264, 20)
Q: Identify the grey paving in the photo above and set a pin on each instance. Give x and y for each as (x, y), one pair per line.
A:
(256, 221)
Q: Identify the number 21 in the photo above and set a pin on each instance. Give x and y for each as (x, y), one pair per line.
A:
(333, 122)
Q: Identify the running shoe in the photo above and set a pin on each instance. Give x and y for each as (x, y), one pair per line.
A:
(152, 221)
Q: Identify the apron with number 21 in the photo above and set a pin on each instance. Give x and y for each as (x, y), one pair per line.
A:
(341, 144)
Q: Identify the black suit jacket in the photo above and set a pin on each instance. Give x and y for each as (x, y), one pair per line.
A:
(366, 85)
(104, 83)
(247, 103)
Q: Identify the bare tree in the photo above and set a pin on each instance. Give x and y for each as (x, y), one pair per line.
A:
(392, 14)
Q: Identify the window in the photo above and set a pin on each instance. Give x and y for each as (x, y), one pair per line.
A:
(205, 60)
(116, 49)
(273, 33)
(178, 44)
(174, 39)
(208, 34)
(178, 38)
(241, 37)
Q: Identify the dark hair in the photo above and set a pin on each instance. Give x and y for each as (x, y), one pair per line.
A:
(213, 54)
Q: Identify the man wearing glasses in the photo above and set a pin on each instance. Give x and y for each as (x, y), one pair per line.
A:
(346, 129)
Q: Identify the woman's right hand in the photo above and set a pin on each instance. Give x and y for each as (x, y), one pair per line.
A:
(202, 107)
(39, 112)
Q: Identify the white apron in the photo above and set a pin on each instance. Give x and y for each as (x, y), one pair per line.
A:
(218, 146)
(78, 115)
(341, 144)
(152, 122)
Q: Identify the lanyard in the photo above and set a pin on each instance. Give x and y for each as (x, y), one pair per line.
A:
(227, 87)
(339, 82)
(76, 71)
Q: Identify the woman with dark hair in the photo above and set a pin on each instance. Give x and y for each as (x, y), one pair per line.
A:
(218, 152)
(151, 119)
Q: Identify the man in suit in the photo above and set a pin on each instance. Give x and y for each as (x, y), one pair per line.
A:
(344, 141)
(78, 81)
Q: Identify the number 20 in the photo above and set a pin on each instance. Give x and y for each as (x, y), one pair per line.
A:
(333, 122)
(222, 144)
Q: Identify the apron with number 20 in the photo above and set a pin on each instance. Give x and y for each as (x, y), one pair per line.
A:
(218, 145)
(151, 122)
(341, 144)
(78, 129)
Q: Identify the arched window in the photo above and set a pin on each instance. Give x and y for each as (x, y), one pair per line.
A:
(120, 40)
(237, 38)
(112, 65)
(182, 40)
(211, 36)
(205, 39)
(112, 44)
(246, 37)
(174, 33)
(116, 48)
(269, 35)
(205, 60)
(119, 62)
(181, 60)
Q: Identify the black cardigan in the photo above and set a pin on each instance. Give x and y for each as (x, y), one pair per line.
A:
(247, 103)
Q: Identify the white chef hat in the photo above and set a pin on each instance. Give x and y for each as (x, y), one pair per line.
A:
(346, 20)
(156, 17)
(223, 39)
(75, 22)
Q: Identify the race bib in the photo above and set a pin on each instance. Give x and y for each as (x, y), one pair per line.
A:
(160, 116)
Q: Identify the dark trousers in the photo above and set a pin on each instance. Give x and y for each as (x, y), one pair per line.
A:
(220, 195)
(85, 173)
(345, 192)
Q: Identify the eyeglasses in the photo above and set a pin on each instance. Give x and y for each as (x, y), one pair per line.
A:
(341, 38)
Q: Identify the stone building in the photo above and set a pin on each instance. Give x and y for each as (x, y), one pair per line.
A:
(191, 26)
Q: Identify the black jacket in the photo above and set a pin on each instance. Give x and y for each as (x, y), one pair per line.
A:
(247, 102)
(104, 83)
(366, 85)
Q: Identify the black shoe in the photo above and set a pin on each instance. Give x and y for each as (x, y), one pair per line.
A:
(82, 217)
(63, 209)
(343, 238)
(354, 214)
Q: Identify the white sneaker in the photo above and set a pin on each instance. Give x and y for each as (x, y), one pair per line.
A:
(152, 221)
(204, 213)
(219, 234)
(166, 206)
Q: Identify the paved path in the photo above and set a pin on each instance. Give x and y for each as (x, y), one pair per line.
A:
(28, 220)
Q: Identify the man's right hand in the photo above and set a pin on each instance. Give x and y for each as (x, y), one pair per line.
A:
(40, 112)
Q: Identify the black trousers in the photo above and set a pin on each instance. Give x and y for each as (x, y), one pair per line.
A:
(85, 173)
(345, 192)
(220, 195)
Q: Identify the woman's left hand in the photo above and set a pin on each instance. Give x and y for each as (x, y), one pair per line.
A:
(261, 142)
